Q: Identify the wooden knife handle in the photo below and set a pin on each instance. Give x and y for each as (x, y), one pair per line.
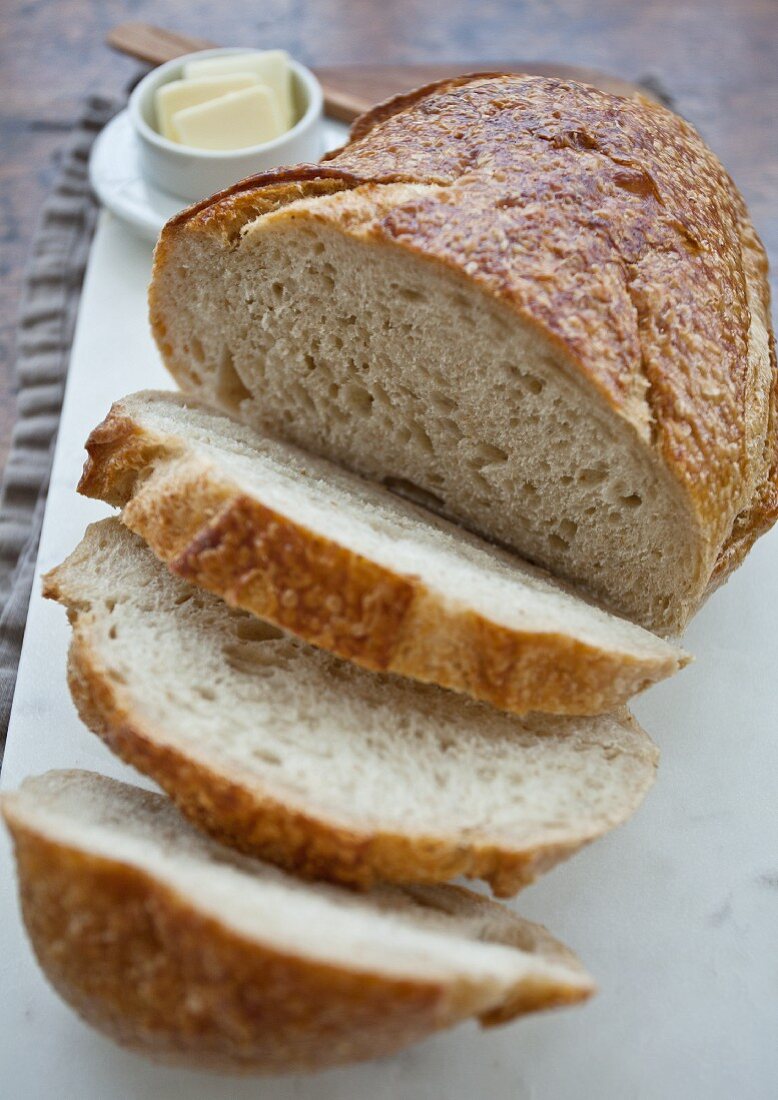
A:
(155, 46)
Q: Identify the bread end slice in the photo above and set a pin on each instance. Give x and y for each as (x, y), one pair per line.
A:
(188, 954)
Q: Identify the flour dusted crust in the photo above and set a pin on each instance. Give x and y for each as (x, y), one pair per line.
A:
(653, 288)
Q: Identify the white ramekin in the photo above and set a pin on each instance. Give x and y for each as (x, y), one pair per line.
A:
(196, 173)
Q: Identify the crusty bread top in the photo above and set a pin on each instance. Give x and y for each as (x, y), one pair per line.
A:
(609, 225)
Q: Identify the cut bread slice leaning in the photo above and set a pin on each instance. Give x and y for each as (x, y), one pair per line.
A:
(188, 953)
(297, 757)
(355, 569)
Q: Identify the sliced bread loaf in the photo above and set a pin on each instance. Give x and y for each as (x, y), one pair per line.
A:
(543, 305)
(188, 953)
(355, 569)
(290, 754)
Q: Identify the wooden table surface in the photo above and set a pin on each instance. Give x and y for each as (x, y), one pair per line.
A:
(716, 58)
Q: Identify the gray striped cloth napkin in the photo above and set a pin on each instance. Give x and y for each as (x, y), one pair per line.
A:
(50, 298)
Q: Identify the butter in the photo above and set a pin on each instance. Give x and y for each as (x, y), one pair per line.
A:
(232, 121)
(271, 67)
(180, 94)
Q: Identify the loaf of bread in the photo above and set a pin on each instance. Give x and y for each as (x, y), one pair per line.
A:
(357, 570)
(541, 307)
(191, 954)
(296, 757)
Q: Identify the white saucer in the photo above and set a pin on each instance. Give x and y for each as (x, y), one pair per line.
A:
(114, 173)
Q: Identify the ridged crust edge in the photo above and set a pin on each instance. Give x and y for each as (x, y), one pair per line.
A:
(762, 510)
(257, 559)
(142, 964)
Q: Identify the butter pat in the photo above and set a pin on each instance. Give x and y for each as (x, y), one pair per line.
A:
(271, 67)
(232, 121)
(180, 94)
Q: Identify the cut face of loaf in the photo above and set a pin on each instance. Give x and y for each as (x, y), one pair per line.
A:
(541, 307)
(357, 570)
(292, 755)
(191, 954)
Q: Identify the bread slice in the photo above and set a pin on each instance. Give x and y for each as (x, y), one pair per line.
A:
(355, 569)
(542, 305)
(294, 756)
(188, 953)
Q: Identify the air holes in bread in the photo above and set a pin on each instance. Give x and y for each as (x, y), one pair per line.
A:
(414, 493)
(485, 454)
(249, 658)
(449, 426)
(230, 391)
(421, 438)
(480, 482)
(359, 400)
(256, 630)
(380, 395)
(594, 475)
(441, 403)
(531, 385)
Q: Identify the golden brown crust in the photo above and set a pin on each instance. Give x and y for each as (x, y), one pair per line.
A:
(396, 104)
(609, 225)
(263, 193)
(259, 560)
(624, 221)
(761, 511)
(142, 964)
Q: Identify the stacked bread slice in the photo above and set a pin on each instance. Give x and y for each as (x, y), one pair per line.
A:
(293, 755)
(353, 568)
(332, 680)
